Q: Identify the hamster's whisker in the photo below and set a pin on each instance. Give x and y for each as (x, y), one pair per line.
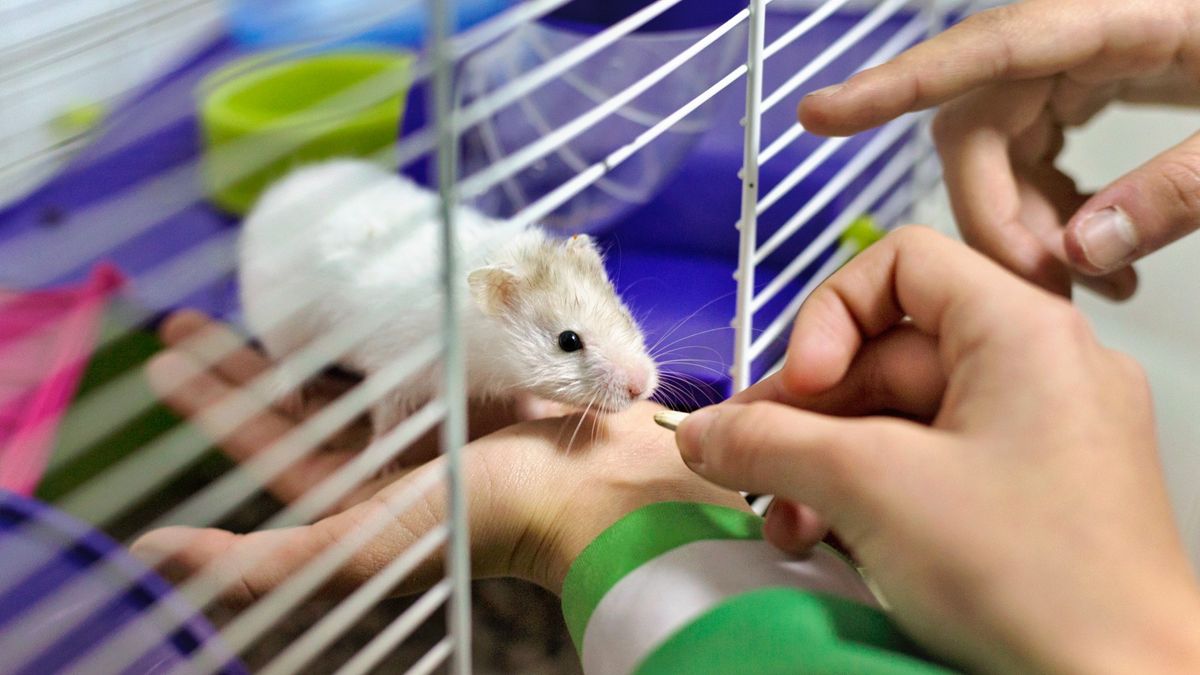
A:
(715, 363)
(639, 315)
(688, 337)
(595, 428)
(582, 417)
(678, 324)
(698, 333)
(690, 379)
(616, 240)
(691, 359)
(712, 366)
(696, 364)
(683, 353)
(681, 366)
(690, 395)
(675, 384)
(666, 387)
(674, 392)
(685, 348)
(625, 290)
(674, 327)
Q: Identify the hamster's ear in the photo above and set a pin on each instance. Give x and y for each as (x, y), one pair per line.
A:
(493, 288)
(585, 247)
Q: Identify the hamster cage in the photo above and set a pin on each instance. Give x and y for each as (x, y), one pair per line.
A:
(664, 128)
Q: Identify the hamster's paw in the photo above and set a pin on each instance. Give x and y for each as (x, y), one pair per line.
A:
(286, 391)
(393, 408)
(530, 407)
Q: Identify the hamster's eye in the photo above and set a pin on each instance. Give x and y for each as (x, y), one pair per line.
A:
(569, 341)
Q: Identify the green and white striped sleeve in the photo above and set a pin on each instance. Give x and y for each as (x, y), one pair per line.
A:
(693, 588)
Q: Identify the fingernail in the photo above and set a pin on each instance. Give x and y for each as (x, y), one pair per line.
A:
(781, 521)
(691, 433)
(827, 91)
(1108, 239)
(669, 419)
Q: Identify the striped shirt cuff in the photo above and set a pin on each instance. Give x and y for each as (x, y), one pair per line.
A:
(692, 588)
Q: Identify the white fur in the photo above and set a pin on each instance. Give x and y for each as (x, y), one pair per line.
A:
(357, 240)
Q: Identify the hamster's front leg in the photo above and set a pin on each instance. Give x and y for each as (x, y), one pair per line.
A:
(388, 411)
(531, 407)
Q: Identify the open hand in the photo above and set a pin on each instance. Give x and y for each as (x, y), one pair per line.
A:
(533, 504)
(1009, 81)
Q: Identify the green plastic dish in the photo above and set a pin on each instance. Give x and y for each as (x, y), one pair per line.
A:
(261, 117)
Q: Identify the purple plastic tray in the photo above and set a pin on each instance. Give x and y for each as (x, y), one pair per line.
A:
(45, 551)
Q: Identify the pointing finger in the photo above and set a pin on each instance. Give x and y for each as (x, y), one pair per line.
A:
(1020, 41)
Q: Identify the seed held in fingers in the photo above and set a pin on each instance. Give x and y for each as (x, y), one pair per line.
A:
(669, 419)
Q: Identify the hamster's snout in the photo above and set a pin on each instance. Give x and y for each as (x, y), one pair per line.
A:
(640, 381)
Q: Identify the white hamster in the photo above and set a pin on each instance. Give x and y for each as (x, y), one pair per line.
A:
(542, 316)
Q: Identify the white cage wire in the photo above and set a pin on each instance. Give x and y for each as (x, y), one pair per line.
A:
(51, 46)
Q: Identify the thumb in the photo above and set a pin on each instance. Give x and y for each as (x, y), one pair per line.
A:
(1138, 214)
(825, 462)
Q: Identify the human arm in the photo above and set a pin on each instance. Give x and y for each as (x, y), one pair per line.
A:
(681, 587)
(618, 507)
(1012, 509)
(533, 505)
(1010, 81)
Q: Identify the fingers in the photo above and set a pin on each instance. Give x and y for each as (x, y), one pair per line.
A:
(899, 371)
(213, 342)
(792, 527)
(1021, 41)
(248, 566)
(998, 146)
(829, 463)
(202, 396)
(1141, 212)
(395, 522)
(1175, 86)
(975, 137)
(194, 392)
(949, 291)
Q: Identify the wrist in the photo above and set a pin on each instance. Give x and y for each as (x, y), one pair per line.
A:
(642, 535)
(579, 528)
(573, 501)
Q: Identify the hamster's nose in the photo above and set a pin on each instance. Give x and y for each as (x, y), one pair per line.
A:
(640, 380)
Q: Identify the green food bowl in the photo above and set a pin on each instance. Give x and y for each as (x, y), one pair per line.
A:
(261, 117)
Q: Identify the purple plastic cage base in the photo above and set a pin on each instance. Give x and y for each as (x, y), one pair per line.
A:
(49, 550)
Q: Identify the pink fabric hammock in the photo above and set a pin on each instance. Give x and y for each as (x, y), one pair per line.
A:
(46, 339)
